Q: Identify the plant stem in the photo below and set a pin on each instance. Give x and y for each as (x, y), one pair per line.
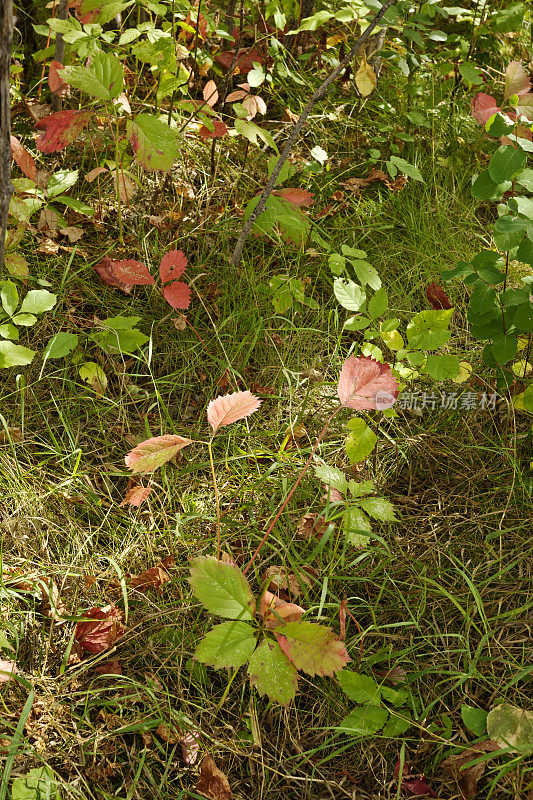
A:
(217, 496)
(117, 187)
(298, 479)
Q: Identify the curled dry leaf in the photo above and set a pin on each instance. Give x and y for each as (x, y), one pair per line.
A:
(8, 668)
(135, 496)
(51, 606)
(231, 408)
(99, 629)
(366, 384)
(190, 747)
(153, 578)
(437, 297)
(276, 611)
(311, 526)
(213, 784)
(94, 173)
(467, 779)
(153, 453)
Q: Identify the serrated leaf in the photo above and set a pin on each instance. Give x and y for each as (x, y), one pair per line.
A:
(61, 129)
(272, 673)
(366, 384)
(252, 132)
(172, 267)
(359, 688)
(231, 408)
(407, 168)
(155, 143)
(360, 442)
(396, 725)
(14, 355)
(360, 488)
(332, 476)
(516, 80)
(222, 588)
(312, 648)
(511, 727)
(153, 453)
(229, 644)
(364, 721)
(349, 294)
(441, 368)
(378, 508)
(124, 274)
(104, 78)
(356, 527)
(38, 301)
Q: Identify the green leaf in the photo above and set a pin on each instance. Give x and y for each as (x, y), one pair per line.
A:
(256, 76)
(378, 304)
(508, 20)
(360, 488)
(475, 719)
(103, 79)
(349, 294)
(92, 373)
(407, 169)
(61, 181)
(356, 527)
(470, 73)
(229, 644)
(120, 337)
(511, 727)
(359, 688)
(378, 508)
(396, 725)
(525, 179)
(366, 274)
(364, 721)
(26, 320)
(504, 347)
(272, 673)
(484, 188)
(280, 217)
(38, 784)
(222, 588)
(361, 441)
(332, 476)
(312, 648)
(60, 345)
(14, 355)
(313, 22)
(75, 205)
(9, 296)
(154, 142)
(428, 329)
(358, 323)
(441, 368)
(8, 331)
(253, 132)
(38, 301)
(395, 696)
(506, 163)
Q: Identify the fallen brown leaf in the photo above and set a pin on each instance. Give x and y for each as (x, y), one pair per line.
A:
(153, 578)
(213, 784)
(276, 611)
(100, 629)
(109, 668)
(311, 525)
(467, 779)
(51, 605)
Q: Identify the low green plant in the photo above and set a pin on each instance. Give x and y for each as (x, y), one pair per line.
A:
(379, 707)
(16, 314)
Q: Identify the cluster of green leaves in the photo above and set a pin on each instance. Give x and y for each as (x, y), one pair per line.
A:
(379, 707)
(15, 314)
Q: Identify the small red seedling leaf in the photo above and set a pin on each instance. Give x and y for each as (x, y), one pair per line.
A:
(366, 384)
(23, 159)
(135, 496)
(437, 297)
(483, 106)
(172, 267)
(276, 611)
(55, 81)
(298, 197)
(517, 80)
(7, 669)
(153, 453)
(219, 129)
(124, 274)
(99, 629)
(413, 785)
(213, 784)
(210, 93)
(60, 129)
(231, 408)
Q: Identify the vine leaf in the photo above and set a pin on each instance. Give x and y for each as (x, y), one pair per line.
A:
(312, 648)
(272, 673)
(153, 453)
(172, 267)
(229, 644)
(230, 408)
(123, 274)
(366, 384)
(222, 588)
(60, 129)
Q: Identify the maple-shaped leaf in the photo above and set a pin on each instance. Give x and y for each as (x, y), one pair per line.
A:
(276, 611)
(517, 80)
(222, 588)
(135, 496)
(483, 106)
(312, 648)
(230, 408)
(298, 197)
(172, 267)
(229, 644)
(219, 129)
(124, 274)
(7, 669)
(23, 159)
(366, 384)
(437, 297)
(210, 93)
(213, 784)
(55, 81)
(153, 453)
(60, 129)
(101, 630)
(272, 673)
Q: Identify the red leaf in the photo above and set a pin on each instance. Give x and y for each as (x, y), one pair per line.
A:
(175, 292)
(413, 785)
(178, 295)
(109, 668)
(210, 93)
(230, 408)
(101, 630)
(154, 452)
(245, 60)
(483, 106)
(124, 274)
(94, 173)
(55, 81)
(366, 384)
(220, 129)
(298, 197)
(61, 129)
(136, 496)
(23, 159)
(437, 297)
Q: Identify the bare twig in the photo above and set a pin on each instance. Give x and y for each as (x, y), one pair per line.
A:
(318, 95)
(6, 189)
(59, 52)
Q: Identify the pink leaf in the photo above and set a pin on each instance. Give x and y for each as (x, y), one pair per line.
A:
(175, 292)
(99, 629)
(7, 669)
(178, 295)
(23, 159)
(124, 274)
(366, 384)
(483, 106)
(190, 746)
(134, 497)
(55, 81)
(298, 197)
(152, 453)
(61, 129)
(230, 408)
(94, 173)
(237, 95)
(210, 93)
(516, 80)
(220, 129)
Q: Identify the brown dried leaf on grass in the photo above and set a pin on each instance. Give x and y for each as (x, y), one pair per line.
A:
(213, 784)
(276, 611)
(467, 779)
(286, 584)
(113, 667)
(153, 578)
(311, 526)
(51, 605)
(99, 629)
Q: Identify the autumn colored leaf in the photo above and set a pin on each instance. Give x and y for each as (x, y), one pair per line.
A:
(153, 453)
(245, 59)
(365, 78)
(254, 105)
(55, 81)
(136, 496)
(213, 784)
(483, 106)
(219, 129)
(190, 747)
(7, 669)
(286, 584)
(61, 129)
(231, 408)
(276, 611)
(23, 159)
(172, 267)
(99, 629)
(154, 143)
(366, 384)
(123, 185)
(94, 173)
(312, 648)
(517, 80)
(271, 672)
(312, 525)
(298, 197)
(414, 785)
(210, 93)
(467, 777)
(113, 667)
(124, 274)
(437, 297)
(153, 578)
